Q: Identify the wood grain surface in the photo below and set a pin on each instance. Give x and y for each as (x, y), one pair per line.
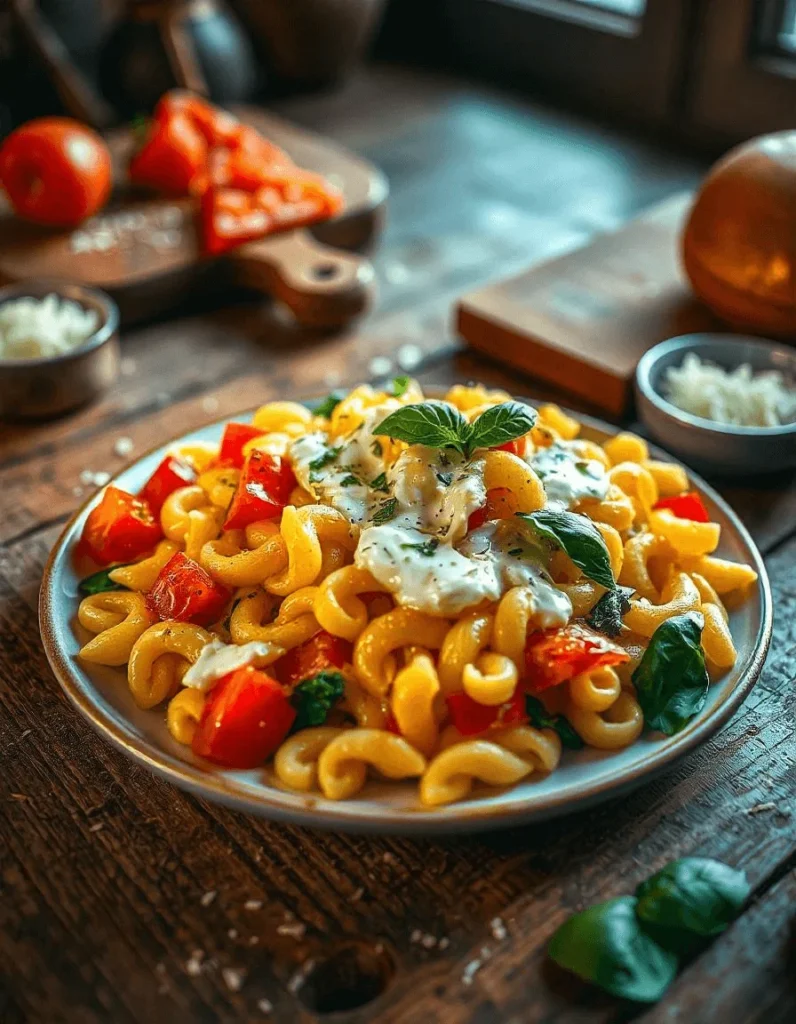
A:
(125, 900)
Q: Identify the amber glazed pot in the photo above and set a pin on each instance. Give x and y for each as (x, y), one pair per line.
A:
(739, 245)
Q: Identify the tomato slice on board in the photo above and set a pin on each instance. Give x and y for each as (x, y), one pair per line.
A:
(262, 492)
(553, 656)
(119, 529)
(322, 651)
(172, 473)
(245, 718)
(236, 435)
(172, 158)
(470, 717)
(217, 127)
(686, 506)
(185, 592)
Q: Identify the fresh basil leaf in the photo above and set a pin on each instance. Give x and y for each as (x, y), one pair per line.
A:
(385, 512)
(315, 697)
(329, 404)
(379, 483)
(427, 547)
(434, 424)
(579, 538)
(100, 582)
(606, 616)
(608, 946)
(540, 718)
(671, 679)
(350, 481)
(318, 463)
(694, 894)
(501, 423)
(400, 385)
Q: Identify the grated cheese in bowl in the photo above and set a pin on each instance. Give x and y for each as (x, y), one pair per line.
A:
(736, 397)
(32, 328)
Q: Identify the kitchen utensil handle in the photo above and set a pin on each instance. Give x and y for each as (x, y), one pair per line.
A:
(323, 287)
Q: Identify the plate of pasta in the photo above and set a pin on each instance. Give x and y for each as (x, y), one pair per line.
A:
(395, 611)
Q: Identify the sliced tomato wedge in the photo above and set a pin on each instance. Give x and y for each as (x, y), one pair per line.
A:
(554, 656)
(231, 217)
(119, 529)
(185, 592)
(172, 158)
(245, 718)
(172, 473)
(471, 718)
(320, 652)
(236, 435)
(217, 127)
(262, 492)
(686, 506)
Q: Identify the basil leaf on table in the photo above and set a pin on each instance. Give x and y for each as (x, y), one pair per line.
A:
(329, 404)
(671, 680)
(501, 423)
(579, 538)
(433, 424)
(315, 697)
(100, 582)
(606, 616)
(695, 894)
(540, 718)
(608, 946)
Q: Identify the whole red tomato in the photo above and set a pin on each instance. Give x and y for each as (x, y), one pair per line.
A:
(55, 171)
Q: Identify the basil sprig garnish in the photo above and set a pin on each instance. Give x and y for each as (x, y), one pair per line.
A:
(540, 718)
(438, 425)
(329, 404)
(631, 946)
(671, 680)
(100, 582)
(579, 538)
(606, 616)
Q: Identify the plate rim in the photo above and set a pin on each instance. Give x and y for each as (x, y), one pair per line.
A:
(218, 787)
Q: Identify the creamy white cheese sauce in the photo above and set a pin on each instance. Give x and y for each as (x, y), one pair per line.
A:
(218, 659)
(567, 475)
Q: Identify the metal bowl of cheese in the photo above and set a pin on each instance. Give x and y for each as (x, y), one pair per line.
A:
(37, 384)
(708, 444)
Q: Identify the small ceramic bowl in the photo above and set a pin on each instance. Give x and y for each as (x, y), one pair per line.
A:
(702, 443)
(52, 385)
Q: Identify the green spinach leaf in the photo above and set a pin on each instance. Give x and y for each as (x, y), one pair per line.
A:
(671, 679)
(540, 718)
(695, 894)
(399, 386)
(100, 582)
(579, 538)
(315, 697)
(606, 616)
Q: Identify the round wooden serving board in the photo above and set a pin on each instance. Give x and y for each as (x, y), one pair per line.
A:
(145, 252)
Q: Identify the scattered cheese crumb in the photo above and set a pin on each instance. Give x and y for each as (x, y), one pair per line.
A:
(265, 1005)
(95, 828)
(428, 941)
(470, 971)
(233, 933)
(27, 732)
(193, 965)
(498, 929)
(123, 446)
(415, 936)
(253, 905)
(253, 940)
(94, 479)
(233, 978)
(208, 898)
(444, 942)
(739, 397)
(296, 930)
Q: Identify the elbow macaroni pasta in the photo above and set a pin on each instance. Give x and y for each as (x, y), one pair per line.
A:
(297, 580)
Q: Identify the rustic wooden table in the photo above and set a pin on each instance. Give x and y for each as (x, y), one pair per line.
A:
(124, 899)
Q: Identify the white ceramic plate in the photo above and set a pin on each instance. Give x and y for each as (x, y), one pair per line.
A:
(583, 778)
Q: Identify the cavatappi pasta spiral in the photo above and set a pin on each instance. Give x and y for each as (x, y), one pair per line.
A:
(393, 604)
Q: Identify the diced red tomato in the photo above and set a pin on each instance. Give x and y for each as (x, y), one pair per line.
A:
(245, 718)
(185, 592)
(320, 652)
(172, 158)
(120, 528)
(497, 499)
(471, 718)
(263, 490)
(236, 435)
(218, 127)
(170, 475)
(555, 655)
(517, 446)
(686, 506)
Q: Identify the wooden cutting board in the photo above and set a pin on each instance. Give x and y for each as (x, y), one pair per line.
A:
(146, 252)
(583, 321)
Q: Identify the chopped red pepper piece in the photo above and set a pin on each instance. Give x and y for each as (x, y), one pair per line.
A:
(245, 718)
(185, 592)
(320, 652)
(686, 506)
(236, 435)
(172, 158)
(518, 446)
(495, 508)
(120, 528)
(555, 655)
(171, 474)
(263, 490)
(470, 717)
